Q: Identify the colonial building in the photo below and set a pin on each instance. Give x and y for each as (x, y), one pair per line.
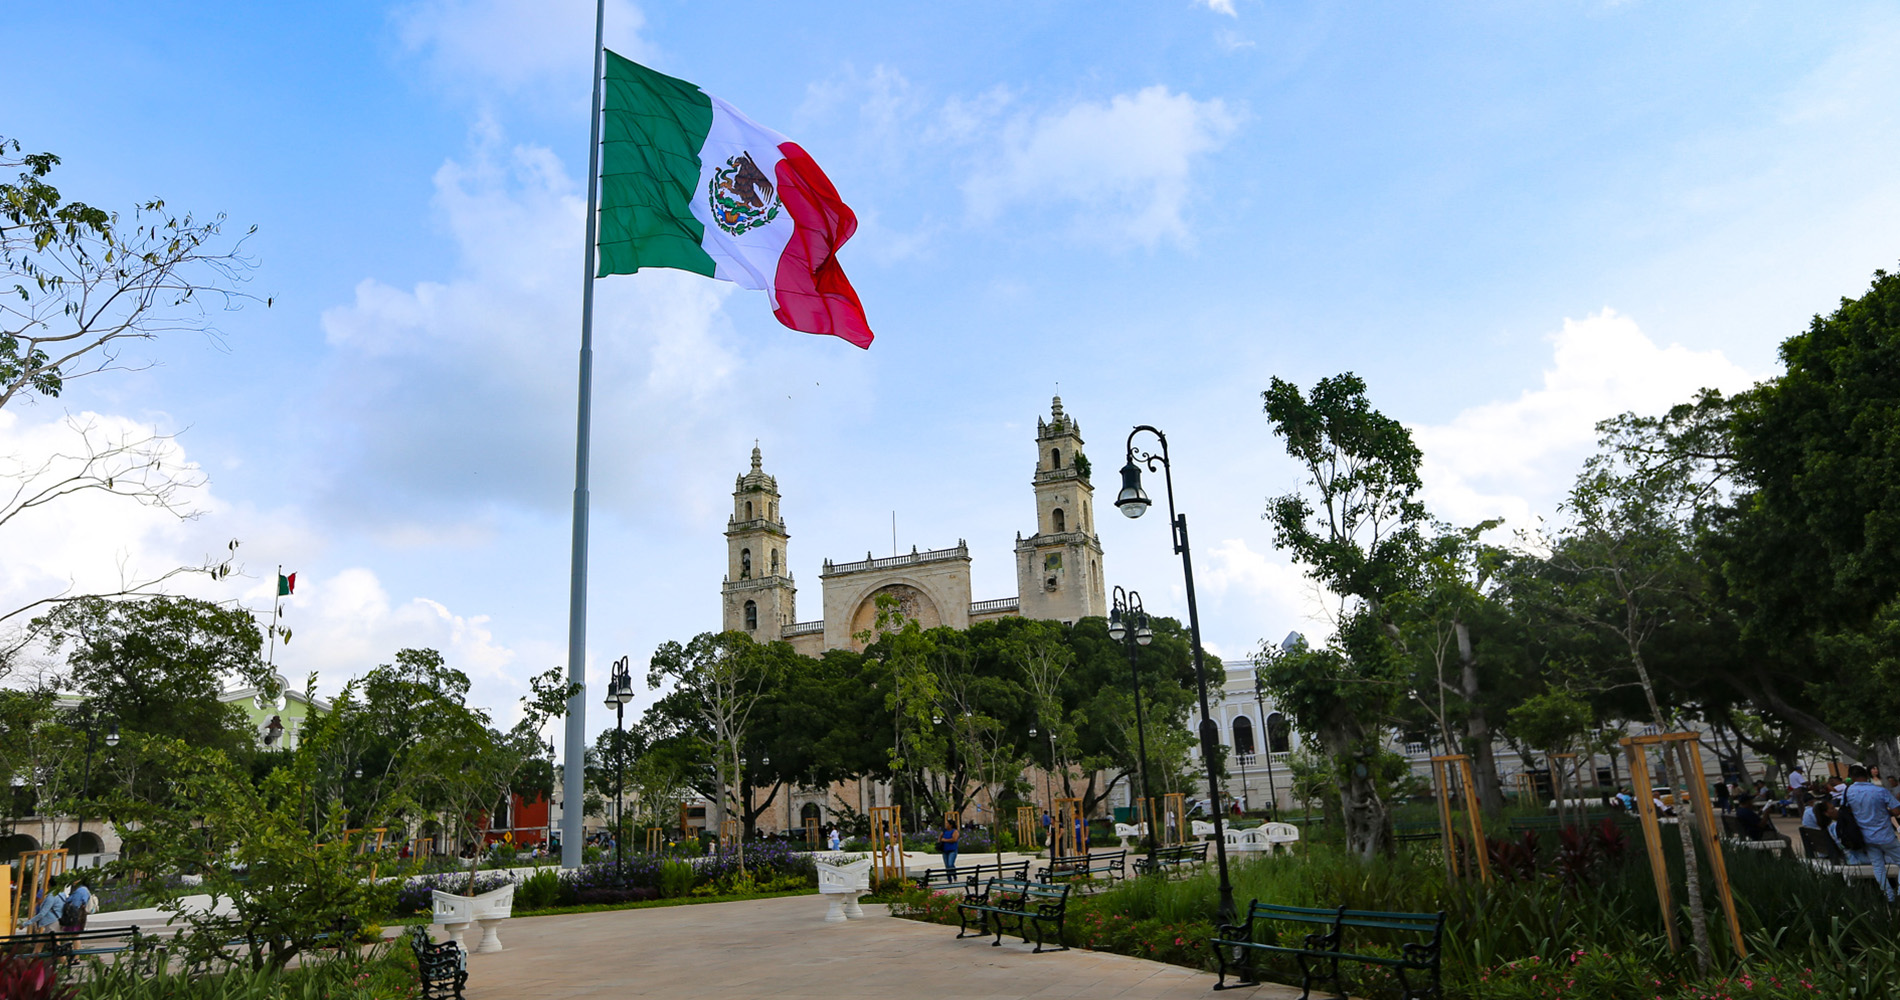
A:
(1058, 566)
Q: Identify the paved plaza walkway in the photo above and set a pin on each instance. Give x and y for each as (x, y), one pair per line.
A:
(782, 948)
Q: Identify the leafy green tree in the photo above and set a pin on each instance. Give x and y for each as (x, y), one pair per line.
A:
(1811, 551)
(158, 665)
(1359, 537)
(273, 854)
(720, 679)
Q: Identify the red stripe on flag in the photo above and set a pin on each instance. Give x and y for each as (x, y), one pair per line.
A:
(814, 296)
(291, 583)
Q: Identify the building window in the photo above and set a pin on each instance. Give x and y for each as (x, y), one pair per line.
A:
(751, 616)
(771, 510)
(745, 564)
(1243, 736)
(774, 562)
(748, 510)
(1055, 458)
(1278, 739)
(1055, 517)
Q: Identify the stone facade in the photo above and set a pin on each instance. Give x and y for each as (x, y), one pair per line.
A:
(1058, 567)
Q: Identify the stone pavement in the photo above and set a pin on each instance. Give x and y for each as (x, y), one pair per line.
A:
(782, 948)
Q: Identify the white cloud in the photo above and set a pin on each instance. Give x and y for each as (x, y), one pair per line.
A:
(342, 622)
(520, 47)
(1219, 6)
(1516, 458)
(1123, 164)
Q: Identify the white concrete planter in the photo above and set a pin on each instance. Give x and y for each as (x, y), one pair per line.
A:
(485, 912)
(1127, 830)
(842, 884)
(1202, 829)
(1280, 834)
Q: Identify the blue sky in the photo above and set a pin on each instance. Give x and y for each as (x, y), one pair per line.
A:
(1512, 219)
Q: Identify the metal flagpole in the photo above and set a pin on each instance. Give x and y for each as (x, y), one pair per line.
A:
(573, 771)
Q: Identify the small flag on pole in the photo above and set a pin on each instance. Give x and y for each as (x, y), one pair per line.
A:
(286, 585)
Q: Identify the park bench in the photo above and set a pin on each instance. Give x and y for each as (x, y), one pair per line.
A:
(970, 875)
(67, 946)
(1410, 833)
(1108, 865)
(1173, 857)
(441, 969)
(1031, 905)
(1824, 855)
(1323, 946)
(1734, 836)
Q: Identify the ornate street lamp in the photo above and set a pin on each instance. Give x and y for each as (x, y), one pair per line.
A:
(1128, 625)
(1133, 501)
(85, 784)
(619, 693)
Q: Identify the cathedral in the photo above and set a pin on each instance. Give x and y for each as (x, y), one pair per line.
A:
(1058, 566)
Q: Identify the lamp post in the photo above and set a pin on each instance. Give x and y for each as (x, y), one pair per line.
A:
(1128, 625)
(85, 783)
(619, 693)
(1133, 502)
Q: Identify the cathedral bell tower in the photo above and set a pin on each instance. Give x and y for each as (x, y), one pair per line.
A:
(758, 592)
(1059, 568)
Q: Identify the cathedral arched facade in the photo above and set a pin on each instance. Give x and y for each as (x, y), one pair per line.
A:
(1058, 565)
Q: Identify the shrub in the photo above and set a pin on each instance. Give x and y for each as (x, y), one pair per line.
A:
(542, 890)
(23, 977)
(676, 879)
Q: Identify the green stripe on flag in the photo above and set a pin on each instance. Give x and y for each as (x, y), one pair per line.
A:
(652, 128)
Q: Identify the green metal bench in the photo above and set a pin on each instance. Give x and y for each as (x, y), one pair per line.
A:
(1172, 858)
(970, 875)
(442, 969)
(1107, 865)
(1323, 946)
(1030, 905)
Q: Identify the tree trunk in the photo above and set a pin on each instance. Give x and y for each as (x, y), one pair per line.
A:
(1368, 827)
(1685, 817)
(1477, 727)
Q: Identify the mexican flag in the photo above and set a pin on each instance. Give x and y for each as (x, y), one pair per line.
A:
(688, 182)
(286, 585)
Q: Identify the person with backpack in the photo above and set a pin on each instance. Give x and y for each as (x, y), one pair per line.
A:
(1867, 816)
(46, 918)
(72, 916)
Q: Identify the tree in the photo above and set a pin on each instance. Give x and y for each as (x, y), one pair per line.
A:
(1624, 567)
(284, 882)
(82, 280)
(1361, 541)
(158, 665)
(1810, 549)
(1450, 597)
(720, 678)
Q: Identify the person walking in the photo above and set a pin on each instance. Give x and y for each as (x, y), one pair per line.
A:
(1873, 808)
(72, 916)
(947, 842)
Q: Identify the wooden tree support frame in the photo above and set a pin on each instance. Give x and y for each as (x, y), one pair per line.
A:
(1559, 788)
(655, 840)
(729, 833)
(1526, 790)
(38, 869)
(1687, 750)
(1025, 827)
(887, 842)
(814, 833)
(1068, 819)
(1174, 827)
(1443, 769)
(6, 899)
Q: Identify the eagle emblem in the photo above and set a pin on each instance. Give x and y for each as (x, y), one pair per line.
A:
(741, 196)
